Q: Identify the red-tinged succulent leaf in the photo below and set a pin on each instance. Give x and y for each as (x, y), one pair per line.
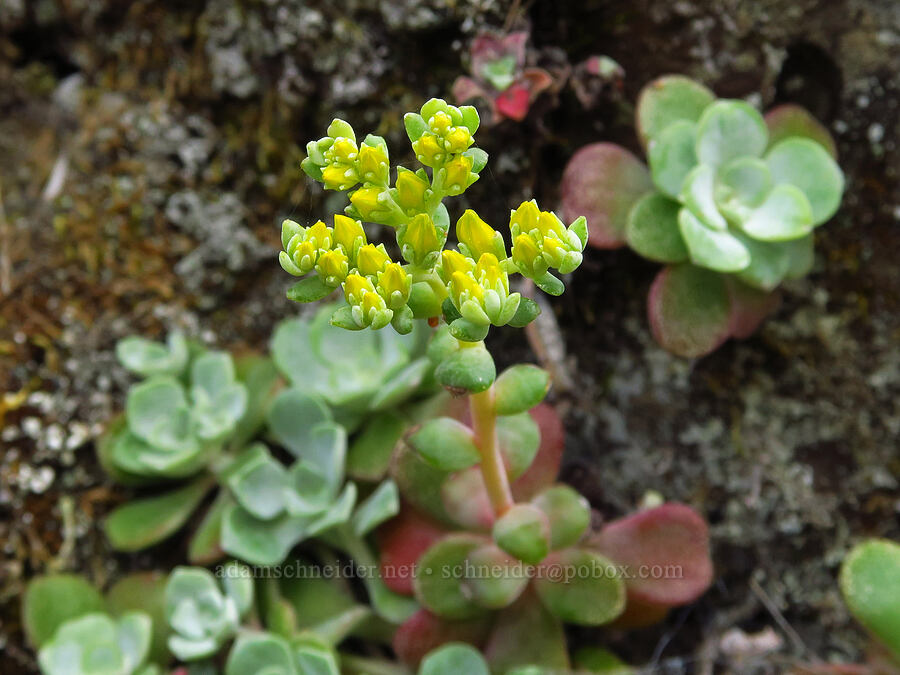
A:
(465, 89)
(536, 80)
(545, 467)
(513, 102)
(423, 632)
(418, 481)
(668, 99)
(402, 541)
(789, 120)
(466, 500)
(602, 182)
(689, 310)
(749, 307)
(672, 537)
(639, 614)
(526, 633)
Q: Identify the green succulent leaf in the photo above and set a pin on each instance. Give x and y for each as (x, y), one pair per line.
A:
(719, 251)
(402, 385)
(471, 369)
(546, 643)
(446, 444)
(527, 311)
(498, 578)
(523, 532)
(697, 194)
(729, 129)
(148, 358)
(672, 156)
(667, 100)
(769, 262)
(520, 388)
(550, 284)
(453, 659)
(601, 662)
(370, 453)
(870, 583)
(293, 416)
(568, 513)
(589, 592)
(467, 331)
(52, 600)
(144, 592)
(784, 215)
(789, 121)
(96, 643)
(479, 158)
(310, 289)
(653, 229)
(259, 483)
(144, 522)
(260, 654)
(338, 513)
(158, 413)
(202, 617)
(415, 126)
(381, 505)
(439, 584)
(519, 437)
(260, 542)
(807, 165)
(741, 186)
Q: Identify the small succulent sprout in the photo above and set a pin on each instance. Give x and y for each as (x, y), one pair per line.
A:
(541, 242)
(146, 358)
(96, 643)
(870, 583)
(523, 532)
(202, 614)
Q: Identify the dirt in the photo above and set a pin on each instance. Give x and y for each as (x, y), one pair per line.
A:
(149, 150)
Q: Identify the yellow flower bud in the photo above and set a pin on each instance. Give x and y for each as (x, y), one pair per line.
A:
(457, 177)
(458, 140)
(453, 262)
(348, 233)
(420, 240)
(490, 274)
(373, 164)
(394, 284)
(526, 254)
(477, 237)
(366, 306)
(550, 225)
(304, 256)
(339, 177)
(411, 191)
(343, 150)
(371, 259)
(463, 287)
(320, 235)
(440, 123)
(429, 150)
(355, 286)
(333, 267)
(366, 202)
(525, 218)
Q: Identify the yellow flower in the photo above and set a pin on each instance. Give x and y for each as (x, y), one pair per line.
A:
(429, 151)
(457, 177)
(453, 262)
(490, 274)
(527, 256)
(343, 150)
(420, 241)
(349, 234)
(339, 177)
(366, 307)
(525, 218)
(463, 287)
(320, 235)
(371, 259)
(333, 267)
(477, 237)
(366, 202)
(355, 286)
(440, 123)
(394, 285)
(411, 191)
(550, 225)
(373, 164)
(457, 140)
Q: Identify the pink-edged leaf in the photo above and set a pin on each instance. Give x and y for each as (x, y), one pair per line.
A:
(423, 632)
(513, 102)
(668, 99)
(465, 89)
(689, 310)
(789, 120)
(488, 48)
(402, 541)
(602, 182)
(536, 80)
(749, 307)
(514, 44)
(527, 634)
(673, 539)
(545, 468)
(466, 500)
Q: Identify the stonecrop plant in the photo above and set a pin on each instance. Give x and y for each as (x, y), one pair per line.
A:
(729, 203)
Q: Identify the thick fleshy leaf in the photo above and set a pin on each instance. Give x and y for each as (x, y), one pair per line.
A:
(581, 587)
(801, 256)
(147, 358)
(672, 536)
(790, 120)
(673, 156)
(51, 600)
(424, 631)
(370, 453)
(466, 500)
(255, 653)
(870, 583)
(401, 385)
(453, 659)
(260, 378)
(772, 262)
(381, 505)
(544, 468)
(568, 513)
(419, 482)
(143, 522)
(653, 229)
(402, 541)
(115, 432)
(697, 194)
(600, 661)
(144, 592)
(260, 542)
(741, 186)
(259, 483)
(519, 388)
(544, 647)
(783, 216)
(602, 182)
(293, 416)
(523, 532)
(311, 289)
(469, 370)
(519, 438)
(689, 310)
(439, 582)
(749, 307)
(204, 548)
(498, 579)
(720, 251)
(729, 129)
(808, 166)
(668, 99)
(157, 413)
(446, 444)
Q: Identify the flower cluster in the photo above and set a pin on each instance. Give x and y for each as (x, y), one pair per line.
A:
(469, 286)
